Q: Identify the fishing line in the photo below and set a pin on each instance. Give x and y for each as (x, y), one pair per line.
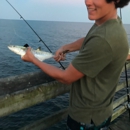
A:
(127, 85)
(23, 38)
(40, 40)
(11, 40)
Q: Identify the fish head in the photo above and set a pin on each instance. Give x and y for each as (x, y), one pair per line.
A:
(20, 50)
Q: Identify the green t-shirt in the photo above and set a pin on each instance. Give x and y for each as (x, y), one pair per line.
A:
(100, 59)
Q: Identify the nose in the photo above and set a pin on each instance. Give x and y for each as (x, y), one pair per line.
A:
(88, 2)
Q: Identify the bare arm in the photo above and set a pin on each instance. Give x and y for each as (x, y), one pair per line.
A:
(65, 76)
(74, 46)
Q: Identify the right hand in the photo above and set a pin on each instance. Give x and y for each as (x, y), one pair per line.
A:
(60, 55)
(28, 57)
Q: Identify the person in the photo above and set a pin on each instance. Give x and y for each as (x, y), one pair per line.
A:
(95, 71)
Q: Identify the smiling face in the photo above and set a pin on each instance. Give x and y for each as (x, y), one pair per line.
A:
(100, 10)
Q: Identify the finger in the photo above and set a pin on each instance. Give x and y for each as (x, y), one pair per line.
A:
(23, 58)
(61, 58)
(57, 53)
(64, 57)
(28, 49)
(58, 57)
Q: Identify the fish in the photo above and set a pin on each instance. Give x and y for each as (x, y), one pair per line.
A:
(39, 54)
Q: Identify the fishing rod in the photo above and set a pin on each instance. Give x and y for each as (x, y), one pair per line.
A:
(120, 14)
(127, 85)
(40, 40)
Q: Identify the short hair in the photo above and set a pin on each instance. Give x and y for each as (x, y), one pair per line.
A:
(119, 3)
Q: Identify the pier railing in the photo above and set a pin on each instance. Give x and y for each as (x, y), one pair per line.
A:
(24, 91)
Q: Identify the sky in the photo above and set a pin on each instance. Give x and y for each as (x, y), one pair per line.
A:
(51, 10)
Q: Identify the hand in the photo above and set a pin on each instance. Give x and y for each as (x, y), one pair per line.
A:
(60, 55)
(28, 57)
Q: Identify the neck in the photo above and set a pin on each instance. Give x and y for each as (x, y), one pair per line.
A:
(111, 15)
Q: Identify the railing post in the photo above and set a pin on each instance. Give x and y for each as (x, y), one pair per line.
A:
(127, 88)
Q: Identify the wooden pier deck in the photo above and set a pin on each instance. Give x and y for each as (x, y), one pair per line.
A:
(122, 123)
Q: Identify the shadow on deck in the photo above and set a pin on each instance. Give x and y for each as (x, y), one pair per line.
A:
(122, 123)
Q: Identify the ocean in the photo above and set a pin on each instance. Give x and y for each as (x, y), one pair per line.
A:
(54, 34)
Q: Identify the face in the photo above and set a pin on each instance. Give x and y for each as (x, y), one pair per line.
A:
(100, 10)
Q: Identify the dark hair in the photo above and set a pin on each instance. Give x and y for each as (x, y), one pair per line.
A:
(119, 3)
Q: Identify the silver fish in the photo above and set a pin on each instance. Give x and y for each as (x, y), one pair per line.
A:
(20, 50)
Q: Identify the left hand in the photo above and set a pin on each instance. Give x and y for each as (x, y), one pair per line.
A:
(60, 55)
(28, 57)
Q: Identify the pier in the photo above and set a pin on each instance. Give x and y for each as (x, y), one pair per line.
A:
(24, 91)
(122, 123)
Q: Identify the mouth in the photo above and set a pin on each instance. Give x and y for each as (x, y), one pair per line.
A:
(90, 10)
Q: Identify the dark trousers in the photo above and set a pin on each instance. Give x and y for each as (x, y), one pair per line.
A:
(74, 125)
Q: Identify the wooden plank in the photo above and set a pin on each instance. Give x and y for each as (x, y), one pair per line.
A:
(120, 101)
(122, 85)
(48, 121)
(114, 127)
(16, 83)
(29, 97)
(119, 111)
(14, 102)
(122, 123)
(19, 82)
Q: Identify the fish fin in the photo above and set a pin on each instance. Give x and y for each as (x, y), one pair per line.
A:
(26, 45)
(39, 49)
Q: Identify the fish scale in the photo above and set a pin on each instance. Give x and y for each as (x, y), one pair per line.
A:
(20, 50)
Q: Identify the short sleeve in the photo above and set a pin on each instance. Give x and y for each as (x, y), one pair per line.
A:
(94, 56)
